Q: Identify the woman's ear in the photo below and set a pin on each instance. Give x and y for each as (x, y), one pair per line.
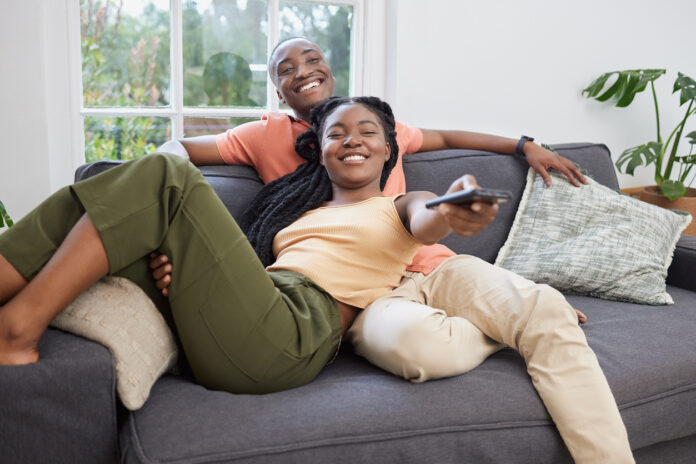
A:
(388, 152)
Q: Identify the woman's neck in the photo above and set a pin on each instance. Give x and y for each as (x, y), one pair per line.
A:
(343, 196)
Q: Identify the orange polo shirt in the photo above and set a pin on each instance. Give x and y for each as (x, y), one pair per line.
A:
(268, 145)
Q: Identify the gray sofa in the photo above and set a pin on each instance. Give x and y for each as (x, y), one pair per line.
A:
(64, 408)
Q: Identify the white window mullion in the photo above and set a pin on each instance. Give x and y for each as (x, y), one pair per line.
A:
(75, 65)
(273, 37)
(177, 72)
(356, 51)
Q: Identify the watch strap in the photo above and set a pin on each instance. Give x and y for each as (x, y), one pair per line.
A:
(520, 144)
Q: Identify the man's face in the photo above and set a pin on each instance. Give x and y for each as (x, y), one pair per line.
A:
(301, 75)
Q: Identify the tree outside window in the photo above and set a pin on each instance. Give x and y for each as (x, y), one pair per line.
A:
(129, 53)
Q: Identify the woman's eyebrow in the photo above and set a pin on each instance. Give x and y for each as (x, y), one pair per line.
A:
(365, 121)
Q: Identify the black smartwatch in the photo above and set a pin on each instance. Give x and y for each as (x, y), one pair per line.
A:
(520, 144)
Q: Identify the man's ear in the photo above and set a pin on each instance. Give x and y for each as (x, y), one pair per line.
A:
(280, 97)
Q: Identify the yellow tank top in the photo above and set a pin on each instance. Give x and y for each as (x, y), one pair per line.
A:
(357, 252)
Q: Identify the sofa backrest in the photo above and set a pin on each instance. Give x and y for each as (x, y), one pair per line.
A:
(433, 171)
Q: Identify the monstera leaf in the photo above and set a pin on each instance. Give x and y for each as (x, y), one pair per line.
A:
(644, 154)
(624, 89)
(688, 89)
(4, 217)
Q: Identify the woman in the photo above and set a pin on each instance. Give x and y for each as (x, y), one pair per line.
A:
(247, 330)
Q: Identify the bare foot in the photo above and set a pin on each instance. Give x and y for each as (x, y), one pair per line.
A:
(581, 317)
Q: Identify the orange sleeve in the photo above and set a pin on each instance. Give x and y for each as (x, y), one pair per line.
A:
(410, 139)
(240, 145)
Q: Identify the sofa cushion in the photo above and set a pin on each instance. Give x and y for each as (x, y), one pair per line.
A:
(590, 240)
(118, 314)
(354, 412)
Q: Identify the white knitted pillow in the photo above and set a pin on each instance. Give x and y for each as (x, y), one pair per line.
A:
(118, 314)
(590, 240)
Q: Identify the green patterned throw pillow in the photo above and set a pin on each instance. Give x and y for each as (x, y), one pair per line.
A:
(591, 240)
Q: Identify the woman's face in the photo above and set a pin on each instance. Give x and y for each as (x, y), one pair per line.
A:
(354, 146)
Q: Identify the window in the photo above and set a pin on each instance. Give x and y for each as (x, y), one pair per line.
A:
(154, 69)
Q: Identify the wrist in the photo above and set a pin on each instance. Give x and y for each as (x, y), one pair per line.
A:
(521, 143)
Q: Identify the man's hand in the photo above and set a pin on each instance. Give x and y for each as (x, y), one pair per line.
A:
(162, 271)
(541, 159)
(467, 220)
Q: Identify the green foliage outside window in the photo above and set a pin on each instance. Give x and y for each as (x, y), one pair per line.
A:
(126, 62)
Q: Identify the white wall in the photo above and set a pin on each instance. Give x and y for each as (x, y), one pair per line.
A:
(511, 67)
(503, 67)
(37, 155)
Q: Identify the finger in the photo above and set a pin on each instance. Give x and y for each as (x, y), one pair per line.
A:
(158, 260)
(566, 172)
(465, 226)
(164, 282)
(541, 170)
(574, 169)
(485, 215)
(469, 182)
(487, 209)
(162, 271)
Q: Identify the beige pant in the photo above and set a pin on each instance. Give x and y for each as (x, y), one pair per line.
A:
(403, 334)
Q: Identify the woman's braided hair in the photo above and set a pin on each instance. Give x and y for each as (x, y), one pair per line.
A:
(280, 202)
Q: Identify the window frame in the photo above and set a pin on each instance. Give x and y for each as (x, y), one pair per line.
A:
(177, 112)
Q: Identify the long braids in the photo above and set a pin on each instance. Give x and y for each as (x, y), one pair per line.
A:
(280, 202)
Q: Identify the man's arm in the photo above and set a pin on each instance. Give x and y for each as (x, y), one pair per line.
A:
(201, 150)
(537, 156)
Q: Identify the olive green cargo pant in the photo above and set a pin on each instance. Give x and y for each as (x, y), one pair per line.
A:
(243, 330)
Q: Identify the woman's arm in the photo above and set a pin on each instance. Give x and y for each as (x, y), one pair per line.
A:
(538, 157)
(429, 226)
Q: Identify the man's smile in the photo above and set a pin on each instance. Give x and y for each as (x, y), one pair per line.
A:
(310, 85)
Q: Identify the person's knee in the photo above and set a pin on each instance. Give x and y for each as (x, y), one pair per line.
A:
(418, 348)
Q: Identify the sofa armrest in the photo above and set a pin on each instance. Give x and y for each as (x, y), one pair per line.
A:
(681, 272)
(61, 408)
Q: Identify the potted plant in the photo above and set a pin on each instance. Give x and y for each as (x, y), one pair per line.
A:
(672, 167)
(4, 217)
(664, 155)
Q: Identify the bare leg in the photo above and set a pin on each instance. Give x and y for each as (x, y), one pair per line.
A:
(77, 263)
(11, 281)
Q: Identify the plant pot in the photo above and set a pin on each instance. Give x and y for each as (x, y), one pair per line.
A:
(686, 203)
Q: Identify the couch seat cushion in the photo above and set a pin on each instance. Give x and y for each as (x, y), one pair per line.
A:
(354, 412)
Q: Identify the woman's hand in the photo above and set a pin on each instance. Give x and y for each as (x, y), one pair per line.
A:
(162, 271)
(541, 159)
(470, 219)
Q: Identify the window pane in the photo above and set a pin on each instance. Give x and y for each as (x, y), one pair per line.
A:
(194, 126)
(225, 52)
(123, 138)
(327, 25)
(125, 52)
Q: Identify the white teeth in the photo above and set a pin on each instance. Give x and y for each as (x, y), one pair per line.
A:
(354, 158)
(309, 86)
